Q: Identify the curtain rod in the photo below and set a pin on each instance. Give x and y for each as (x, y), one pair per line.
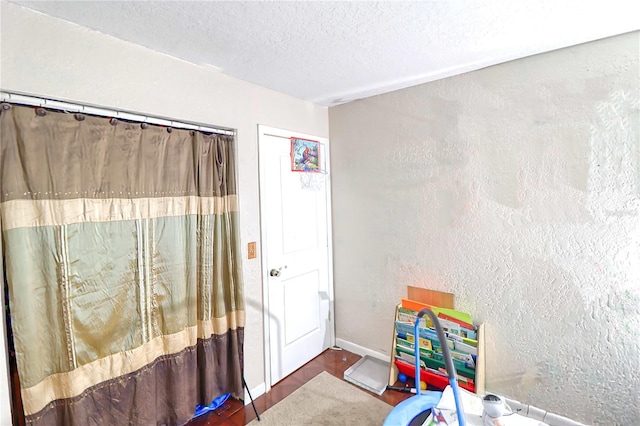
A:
(14, 98)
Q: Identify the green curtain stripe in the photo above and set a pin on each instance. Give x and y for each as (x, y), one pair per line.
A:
(105, 297)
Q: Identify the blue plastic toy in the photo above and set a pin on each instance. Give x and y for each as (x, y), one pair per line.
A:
(201, 409)
(417, 406)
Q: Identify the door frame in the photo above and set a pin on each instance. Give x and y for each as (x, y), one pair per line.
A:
(286, 134)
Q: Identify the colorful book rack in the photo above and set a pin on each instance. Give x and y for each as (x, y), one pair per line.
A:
(465, 341)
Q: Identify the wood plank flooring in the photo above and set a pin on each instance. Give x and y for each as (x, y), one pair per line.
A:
(334, 362)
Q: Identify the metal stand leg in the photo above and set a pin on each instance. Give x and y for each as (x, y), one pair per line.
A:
(251, 398)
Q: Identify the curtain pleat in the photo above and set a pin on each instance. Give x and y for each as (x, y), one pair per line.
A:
(122, 259)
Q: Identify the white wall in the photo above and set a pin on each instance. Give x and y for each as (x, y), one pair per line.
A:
(516, 187)
(52, 58)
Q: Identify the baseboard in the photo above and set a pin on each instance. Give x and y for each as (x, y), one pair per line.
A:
(255, 393)
(361, 350)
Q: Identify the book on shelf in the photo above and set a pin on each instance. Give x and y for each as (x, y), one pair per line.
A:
(437, 362)
(408, 340)
(434, 350)
(461, 338)
(408, 313)
(463, 324)
(454, 341)
(417, 306)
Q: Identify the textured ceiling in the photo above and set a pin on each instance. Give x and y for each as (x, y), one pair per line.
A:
(334, 52)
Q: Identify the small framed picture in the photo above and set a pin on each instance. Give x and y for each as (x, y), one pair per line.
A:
(305, 155)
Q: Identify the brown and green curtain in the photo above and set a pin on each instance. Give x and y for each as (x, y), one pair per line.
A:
(122, 258)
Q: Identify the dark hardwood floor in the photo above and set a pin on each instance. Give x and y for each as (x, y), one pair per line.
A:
(335, 362)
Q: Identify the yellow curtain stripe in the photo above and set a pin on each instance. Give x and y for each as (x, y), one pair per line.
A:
(35, 213)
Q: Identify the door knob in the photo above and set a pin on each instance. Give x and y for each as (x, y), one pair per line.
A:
(274, 272)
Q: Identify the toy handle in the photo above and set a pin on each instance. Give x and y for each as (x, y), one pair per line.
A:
(448, 361)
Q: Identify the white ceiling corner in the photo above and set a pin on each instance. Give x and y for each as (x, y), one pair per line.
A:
(334, 52)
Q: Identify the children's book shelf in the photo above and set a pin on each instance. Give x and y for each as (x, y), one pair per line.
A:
(471, 379)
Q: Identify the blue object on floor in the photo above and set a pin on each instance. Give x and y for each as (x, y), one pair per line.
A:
(216, 403)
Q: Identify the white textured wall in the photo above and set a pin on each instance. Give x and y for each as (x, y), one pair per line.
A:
(516, 187)
(48, 57)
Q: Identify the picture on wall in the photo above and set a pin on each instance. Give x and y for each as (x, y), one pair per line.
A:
(305, 155)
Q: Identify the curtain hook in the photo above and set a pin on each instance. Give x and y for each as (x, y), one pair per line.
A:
(169, 130)
(41, 112)
(143, 125)
(5, 106)
(113, 121)
(79, 117)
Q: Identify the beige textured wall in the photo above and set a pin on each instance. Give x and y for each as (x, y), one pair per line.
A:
(516, 187)
(48, 57)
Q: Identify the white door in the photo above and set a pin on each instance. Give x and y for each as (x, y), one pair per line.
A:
(296, 257)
